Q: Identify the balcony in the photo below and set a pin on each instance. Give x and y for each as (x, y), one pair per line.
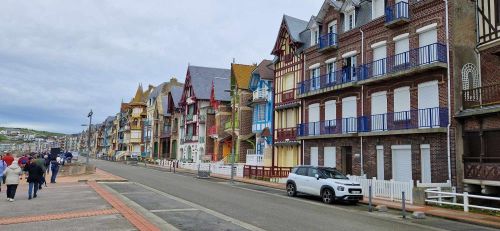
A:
(328, 81)
(328, 41)
(229, 124)
(419, 59)
(286, 134)
(413, 119)
(404, 62)
(261, 94)
(212, 131)
(258, 126)
(405, 120)
(481, 97)
(397, 14)
(288, 96)
(482, 168)
(253, 158)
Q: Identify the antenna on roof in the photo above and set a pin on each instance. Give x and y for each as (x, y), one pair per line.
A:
(234, 60)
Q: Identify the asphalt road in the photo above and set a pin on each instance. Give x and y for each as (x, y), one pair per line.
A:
(253, 207)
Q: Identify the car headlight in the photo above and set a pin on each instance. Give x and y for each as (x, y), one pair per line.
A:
(340, 188)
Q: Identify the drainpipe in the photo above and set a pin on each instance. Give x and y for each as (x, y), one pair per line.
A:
(449, 90)
(362, 97)
(302, 111)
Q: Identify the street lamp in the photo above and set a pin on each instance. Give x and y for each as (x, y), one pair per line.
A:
(88, 139)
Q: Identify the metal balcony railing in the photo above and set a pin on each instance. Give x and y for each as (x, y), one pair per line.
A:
(399, 11)
(421, 56)
(286, 134)
(261, 94)
(481, 96)
(432, 53)
(418, 118)
(328, 40)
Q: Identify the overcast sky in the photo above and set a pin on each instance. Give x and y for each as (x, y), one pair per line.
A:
(59, 59)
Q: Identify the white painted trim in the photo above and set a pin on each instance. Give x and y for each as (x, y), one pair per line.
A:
(400, 37)
(430, 83)
(407, 88)
(379, 147)
(425, 146)
(378, 44)
(314, 66)
(426, 28)
(350, 54)
(379, 93)
(406, 147)
(332, 60)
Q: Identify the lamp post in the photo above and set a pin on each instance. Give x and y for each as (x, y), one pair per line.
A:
(88, 139)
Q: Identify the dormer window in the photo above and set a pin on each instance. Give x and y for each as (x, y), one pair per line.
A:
(349, 20)
(314, 36)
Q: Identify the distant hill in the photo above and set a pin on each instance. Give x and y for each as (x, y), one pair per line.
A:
(34, 132)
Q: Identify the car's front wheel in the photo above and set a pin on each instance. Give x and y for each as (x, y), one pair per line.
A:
(328, 196)
(291, 190)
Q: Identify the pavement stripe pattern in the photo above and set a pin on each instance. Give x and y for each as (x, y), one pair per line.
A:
(56, 216)
(136, 219)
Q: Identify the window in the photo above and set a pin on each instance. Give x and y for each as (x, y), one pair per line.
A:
(402, 46)
(260, 112)
(378, 7)
(330, 116)
(331, 72)
(301, 171)
(314, 34)
(402, 104)
(350, 20)
(349, 69)
(312, 172)
(315, 80)
(379, 60)
(135, 135)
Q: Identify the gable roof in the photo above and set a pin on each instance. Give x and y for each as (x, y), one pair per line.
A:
(156, 91)
(138, 96)
(242, 74)
(176, 93)
(265, 70)
(202, 78)
(295, 26)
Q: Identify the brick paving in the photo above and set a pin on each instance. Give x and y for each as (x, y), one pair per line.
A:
(56, 216)
(136, 219)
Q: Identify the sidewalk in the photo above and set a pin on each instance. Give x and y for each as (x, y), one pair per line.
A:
(457, 215)
(73, 203)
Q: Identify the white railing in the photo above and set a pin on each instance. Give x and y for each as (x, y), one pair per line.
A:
(260, 94)
(255, 160)
(386, 189)
(434, 185)
(217, 168)
(435, 197)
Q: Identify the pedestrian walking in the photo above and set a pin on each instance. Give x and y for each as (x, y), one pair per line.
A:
(47, 163)
(12, 174)
(35, 175)
(54, 167)
(8, 158)
(3, 166)
(23, 162)
(40, 161)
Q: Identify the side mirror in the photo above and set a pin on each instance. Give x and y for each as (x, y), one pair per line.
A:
(317, 176)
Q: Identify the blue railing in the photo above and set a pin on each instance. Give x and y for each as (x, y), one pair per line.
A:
(432, 53)
(328, 127)
(416, 118)
(397, 12)
(328, 40)
(345, 75)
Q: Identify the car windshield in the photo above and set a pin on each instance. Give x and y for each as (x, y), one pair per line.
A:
(334, 174)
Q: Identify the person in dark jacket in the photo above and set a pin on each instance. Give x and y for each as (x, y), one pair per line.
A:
(35, 175)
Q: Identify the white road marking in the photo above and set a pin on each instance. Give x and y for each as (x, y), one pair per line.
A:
(173, 210)
(209, 211)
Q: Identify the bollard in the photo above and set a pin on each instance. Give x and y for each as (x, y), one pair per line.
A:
(169, 166)
(370, 208)
(466, 202)
(174, 168)
(403, 207)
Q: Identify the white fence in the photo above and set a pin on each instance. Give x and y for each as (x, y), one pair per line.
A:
(386, 189)
(216, 168)
(436, 197)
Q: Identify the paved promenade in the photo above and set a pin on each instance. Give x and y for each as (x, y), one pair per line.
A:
(73, 203)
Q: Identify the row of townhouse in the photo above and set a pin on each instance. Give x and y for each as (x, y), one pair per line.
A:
(403, 90)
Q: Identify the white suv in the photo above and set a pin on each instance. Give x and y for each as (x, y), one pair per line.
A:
(328, 183)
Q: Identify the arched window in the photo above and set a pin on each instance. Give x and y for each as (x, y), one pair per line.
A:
(470, 78)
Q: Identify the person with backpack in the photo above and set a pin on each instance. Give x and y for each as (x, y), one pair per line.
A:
(12, 174)
(40, 161)
(3, 166)
(35, 175)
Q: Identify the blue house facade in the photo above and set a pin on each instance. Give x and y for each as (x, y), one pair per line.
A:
(261, 85)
